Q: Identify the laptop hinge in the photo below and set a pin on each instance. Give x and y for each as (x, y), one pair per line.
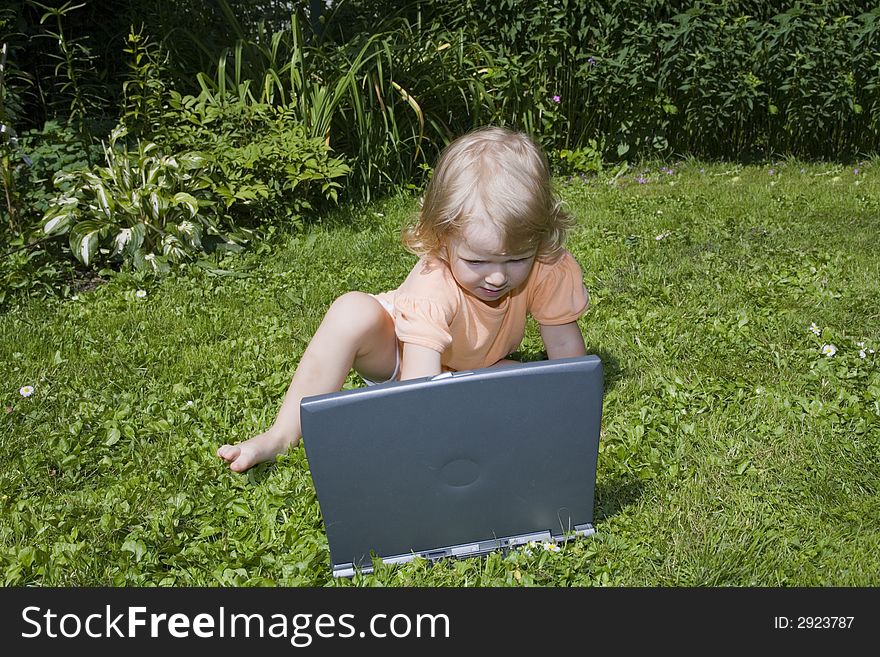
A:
(345, 570)
(579, 530)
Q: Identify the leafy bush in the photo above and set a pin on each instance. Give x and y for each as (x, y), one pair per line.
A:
(54, 149)
(718, 78)
(387, 99)
(30, 264)
(148, 210)
(143, 205)
(259, 159)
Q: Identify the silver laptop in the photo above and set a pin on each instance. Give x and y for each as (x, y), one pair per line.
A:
(459, 464)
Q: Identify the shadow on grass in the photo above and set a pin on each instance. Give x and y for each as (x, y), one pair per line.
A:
(612, 496)
(611, 369)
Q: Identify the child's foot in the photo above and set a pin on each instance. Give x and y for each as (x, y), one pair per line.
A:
(249, 453)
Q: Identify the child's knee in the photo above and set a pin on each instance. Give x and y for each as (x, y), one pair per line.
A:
(359, 313)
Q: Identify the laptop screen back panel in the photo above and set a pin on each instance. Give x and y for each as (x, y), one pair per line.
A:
(421, 465)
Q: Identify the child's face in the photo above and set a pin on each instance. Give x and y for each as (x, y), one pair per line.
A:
(482, 268)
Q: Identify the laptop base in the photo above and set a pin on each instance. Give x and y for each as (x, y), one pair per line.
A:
(469, 549)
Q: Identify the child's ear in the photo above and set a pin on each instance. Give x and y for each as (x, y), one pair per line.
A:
(443, 253)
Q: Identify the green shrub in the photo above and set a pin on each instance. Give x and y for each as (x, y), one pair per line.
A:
(144, 208)
(259, 160)
(716, 78)
(54, 149)
(387, 99)
(31, 264)
(149, 209)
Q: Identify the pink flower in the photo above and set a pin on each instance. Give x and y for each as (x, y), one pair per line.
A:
(556, 99)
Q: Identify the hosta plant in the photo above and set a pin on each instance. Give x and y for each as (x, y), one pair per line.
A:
(144, 208)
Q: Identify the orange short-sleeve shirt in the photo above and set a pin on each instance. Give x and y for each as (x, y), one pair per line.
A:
(431, 310)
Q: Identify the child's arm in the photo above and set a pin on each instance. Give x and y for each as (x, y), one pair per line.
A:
(418, 361)
(563, 340)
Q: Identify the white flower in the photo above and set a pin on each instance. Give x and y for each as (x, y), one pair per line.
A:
(141, 294)
(815, 329)
(829, 349)
(862, 354)
(26, 391)
(551, 547)
(663, 235)
(860, 344)
(659, 211)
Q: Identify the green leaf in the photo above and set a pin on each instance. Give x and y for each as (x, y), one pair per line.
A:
(136, 547)
(58, 223)
(188, 200)
(84, 239)
(113, 436)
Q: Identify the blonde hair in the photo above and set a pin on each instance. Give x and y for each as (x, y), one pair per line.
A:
(498, 176)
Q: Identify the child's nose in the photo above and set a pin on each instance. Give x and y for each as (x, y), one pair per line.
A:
(497, 278)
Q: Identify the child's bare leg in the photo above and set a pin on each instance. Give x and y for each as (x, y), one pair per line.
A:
(356, 332)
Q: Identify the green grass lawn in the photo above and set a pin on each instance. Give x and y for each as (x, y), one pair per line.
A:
(734, 451)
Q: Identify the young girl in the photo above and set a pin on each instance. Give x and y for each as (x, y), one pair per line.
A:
(489, 236)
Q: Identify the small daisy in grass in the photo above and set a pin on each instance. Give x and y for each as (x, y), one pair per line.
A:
(815, 329)
(551, 547)
(26, 391)
(829, 349)
(863, 354)
(141, 294)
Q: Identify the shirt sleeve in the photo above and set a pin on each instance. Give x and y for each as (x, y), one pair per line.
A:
(422, 321)
(559, 295)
